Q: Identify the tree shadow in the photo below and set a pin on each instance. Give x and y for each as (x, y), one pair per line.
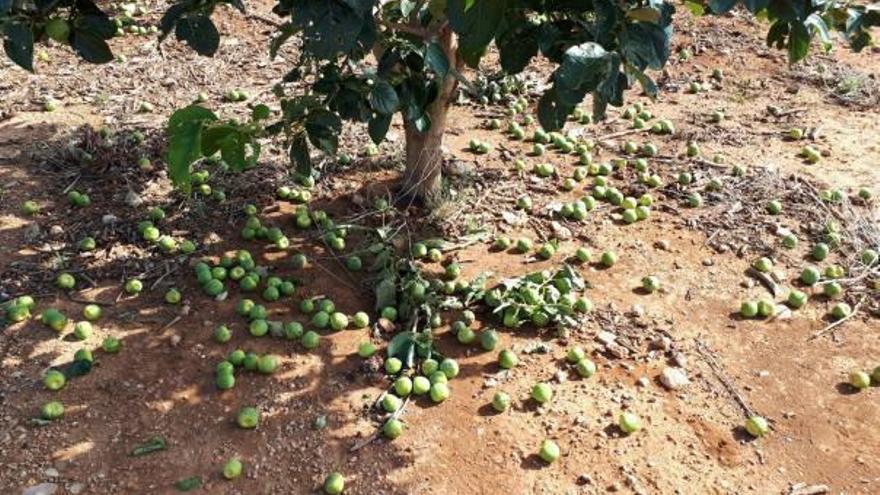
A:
(846, 388)
(162, 382)
(533, 462)
(740, 434)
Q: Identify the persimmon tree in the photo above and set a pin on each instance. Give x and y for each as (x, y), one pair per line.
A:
(368, 60)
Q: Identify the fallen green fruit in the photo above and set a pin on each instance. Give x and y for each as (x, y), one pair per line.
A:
(392, 428)
(311, 340)
(334, 484)
(92, 312)
(507, 359)
(111, 345)
(82, 330)
(859, 380)
(757, 426)
(248, 418)
(549, 451)
(439, 392)
(421, 385)
(267, 364)
(232, 469)
(51, 411)
(54, 380)
(542, 393)
(391, 403)
(629, 423)
(54, 319)
(393, 365)
(65, 281)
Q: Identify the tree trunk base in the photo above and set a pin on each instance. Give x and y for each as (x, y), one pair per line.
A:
(424, 162)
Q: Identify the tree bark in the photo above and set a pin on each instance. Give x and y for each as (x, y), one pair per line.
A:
(424, 154)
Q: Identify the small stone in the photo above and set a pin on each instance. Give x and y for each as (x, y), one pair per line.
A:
(41, 489)
(605, 337)
(673, 378)
(460, 168)
(662, 343)
(76, 488)
(561, 376)
(617, 350)
(708, 262)
(584, 479)
(680, 360)
(56, 231)
(643, 381)
(51, 472)
(560, 232)
(109, 219)
(133, 199)
(175, 340)
(662, 245)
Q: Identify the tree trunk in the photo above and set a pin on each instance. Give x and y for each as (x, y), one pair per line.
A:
(424, 154)
(424, 157)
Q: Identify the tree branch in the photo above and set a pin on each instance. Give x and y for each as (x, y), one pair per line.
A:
(419, 31)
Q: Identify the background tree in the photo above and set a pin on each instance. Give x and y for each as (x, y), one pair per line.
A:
(367, 60)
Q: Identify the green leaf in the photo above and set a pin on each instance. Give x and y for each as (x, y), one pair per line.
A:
(330, 27)
(232, 150)
(645, 45)
(785, 10)
(401, 345)
(260, 112)
(817, 25)
(517, 41)
(551, 113)
(776, 34)
(475, 22)
(19, 44)
(383, 98)
(154, 444)
(386, 293)
(798, 42)
(185, 146)
(721, 6)
(188, 484)
(323, 128)
(299, 155)
(97, 24)
(170, 17)
(696, 8)
(436, 59)
(583, 67)
(90, 47)
(648, 85)
(611, 89)
(406, 7)
(213, 137)
(378, 127)
(754, 6)
(285, 31)
(199, 32)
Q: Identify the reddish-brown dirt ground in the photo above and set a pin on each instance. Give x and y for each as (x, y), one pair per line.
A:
(162, 382)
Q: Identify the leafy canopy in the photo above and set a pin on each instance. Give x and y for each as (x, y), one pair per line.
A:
(598, 47)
